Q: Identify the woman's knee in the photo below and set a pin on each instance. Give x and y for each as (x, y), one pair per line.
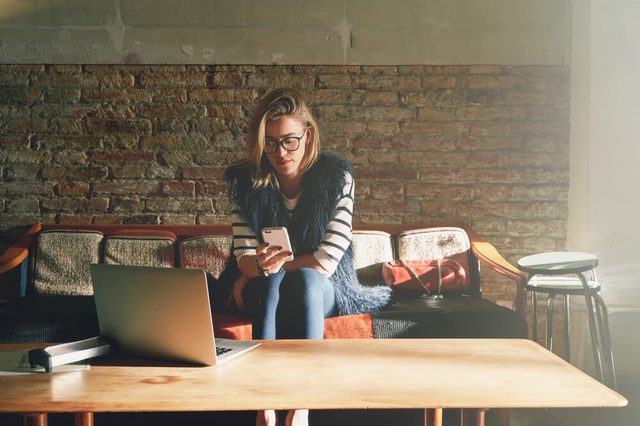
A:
(305, 284)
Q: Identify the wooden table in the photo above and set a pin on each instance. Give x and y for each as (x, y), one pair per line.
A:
(323, 374)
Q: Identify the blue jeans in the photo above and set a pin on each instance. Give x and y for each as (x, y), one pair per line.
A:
(289, 305)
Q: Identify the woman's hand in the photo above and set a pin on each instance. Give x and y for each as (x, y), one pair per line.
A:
(236, 294)
(271, 258)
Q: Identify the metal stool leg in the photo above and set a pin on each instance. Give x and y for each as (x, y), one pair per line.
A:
(605, 335)
(592, 327)
(534, 318)
(550, 322)
(567, 337)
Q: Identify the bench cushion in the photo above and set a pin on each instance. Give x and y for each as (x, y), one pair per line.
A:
(140, 250)
(61, 262)
(370, 250)
(437, 243)
(209, 253)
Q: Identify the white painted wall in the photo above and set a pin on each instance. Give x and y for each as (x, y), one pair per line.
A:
(366, 32)
(606, 161)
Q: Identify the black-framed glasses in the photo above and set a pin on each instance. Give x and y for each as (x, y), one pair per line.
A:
(289, 143)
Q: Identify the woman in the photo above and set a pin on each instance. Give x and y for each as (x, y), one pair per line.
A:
(286, 181)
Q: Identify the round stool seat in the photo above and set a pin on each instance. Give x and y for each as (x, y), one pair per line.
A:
(560, 285)
(558, 262)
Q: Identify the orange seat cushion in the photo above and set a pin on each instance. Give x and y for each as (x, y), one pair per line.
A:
(342, 327)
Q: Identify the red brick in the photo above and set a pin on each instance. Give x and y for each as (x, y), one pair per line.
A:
(108, 219)
(439, 82)
(116, 95)
(489, 81)
(72, 188)
(315, 97)
(93, 204)
(26, 188)
(439, 113)
(20, 95)
(61, 204)
(127, 171)
(67, 219)
(177, 187)
(495, 113)
(487, 69)
(30, 156)
(378, 128)
(118, 126)
(338, 69)
(380, 70)
(449, 129)
(399, 174)
(242, 96)
(79, 173)
(344, 128)
(107, 156)
(519, 97)
(170, 95)
(490, 142)
(174, 142)
(64, 126)
(13, 79)
(168, 111)
(204, 219)
(24, 205)
(404, 83)
(118, 204)
(178, 205)
(62, 95)
(445, 69)
(216, 188)
(23, 125)
(173, 80)
(203, 172)
(62, 80)
(374, 98)
(184, 219)
(226, 80)
(434, 97)
(126, 187)
(270, 80)
(224, 111)
(22, 171)
(336, 81)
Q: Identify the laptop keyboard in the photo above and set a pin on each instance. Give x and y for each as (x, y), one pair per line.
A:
(220, 351)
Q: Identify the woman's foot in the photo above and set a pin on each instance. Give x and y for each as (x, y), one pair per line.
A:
(266, 418)
(297, 418)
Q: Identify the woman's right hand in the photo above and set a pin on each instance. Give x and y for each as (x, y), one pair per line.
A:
(271, 258)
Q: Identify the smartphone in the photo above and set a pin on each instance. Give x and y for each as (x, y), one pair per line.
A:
(278, 236)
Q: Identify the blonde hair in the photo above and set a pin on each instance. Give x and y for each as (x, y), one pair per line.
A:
(273, 105)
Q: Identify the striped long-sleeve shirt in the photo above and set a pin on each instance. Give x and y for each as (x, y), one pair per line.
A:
(335, 242)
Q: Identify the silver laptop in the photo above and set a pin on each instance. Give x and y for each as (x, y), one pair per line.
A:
(161, 313)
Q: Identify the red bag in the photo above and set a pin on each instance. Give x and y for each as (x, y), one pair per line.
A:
(445, 276)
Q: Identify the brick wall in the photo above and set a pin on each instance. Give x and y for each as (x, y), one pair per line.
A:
(485, 145)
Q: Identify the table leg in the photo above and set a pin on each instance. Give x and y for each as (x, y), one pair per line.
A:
(472, 417)
(35, 419)
(550, 321)
(83, 419)
(433, 417)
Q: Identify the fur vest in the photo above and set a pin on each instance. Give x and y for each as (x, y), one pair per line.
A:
(322, 187)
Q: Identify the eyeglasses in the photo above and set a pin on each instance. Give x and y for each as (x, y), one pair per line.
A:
(290, 143)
